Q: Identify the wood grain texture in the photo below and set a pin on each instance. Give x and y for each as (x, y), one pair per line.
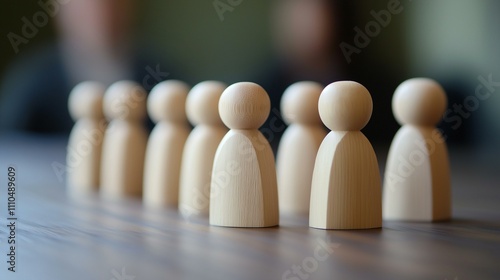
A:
(92, 238)
(243, 192)
(346, 188)
(244, 187)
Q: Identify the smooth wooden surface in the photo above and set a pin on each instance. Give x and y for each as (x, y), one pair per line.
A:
(202, 109)
(85, 141)
(298, 146)
(295, 165)
(346, 191)
(59, 238)
(244, 190)
(162, 166)
(417, 180)
(124, 144)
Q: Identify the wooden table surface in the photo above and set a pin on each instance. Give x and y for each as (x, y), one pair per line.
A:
(88, 238)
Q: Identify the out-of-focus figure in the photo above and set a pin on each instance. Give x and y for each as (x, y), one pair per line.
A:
(96, 42)
(96, 39)
(307, 36)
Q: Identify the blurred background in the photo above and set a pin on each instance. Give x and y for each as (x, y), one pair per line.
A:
(49, 46)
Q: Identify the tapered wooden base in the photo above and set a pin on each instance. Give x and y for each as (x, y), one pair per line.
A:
(417, 180)
(346, 191)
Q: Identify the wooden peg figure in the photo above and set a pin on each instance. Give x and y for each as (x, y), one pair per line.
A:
(166, 107)
(124, 141)
(244, 190)
(85, 140)
(299, 146)
(417, 176)
(346, 186)
(202, 108)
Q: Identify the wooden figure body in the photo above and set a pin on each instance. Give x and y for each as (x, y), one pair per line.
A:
(346, 186)
(166, 107)
(202, 108)
(124, 141)
(298, 146)
(244, 188)
(417, 180)
(85, 141)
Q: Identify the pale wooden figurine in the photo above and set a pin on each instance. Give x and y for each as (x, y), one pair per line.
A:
(166, 107)
(202, 108)
(298, 146)
(244, 189)
(417, 175)
(346, 186)
(124, 141)
(85, 141)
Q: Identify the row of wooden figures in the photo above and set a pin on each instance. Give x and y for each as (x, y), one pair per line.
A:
(230, 175)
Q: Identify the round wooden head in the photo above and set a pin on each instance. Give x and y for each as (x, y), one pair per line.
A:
(244, 106)
(86, 101)
(419, 101)
(125, 100)
(167, 102)
(299, 103)
(202, 104)
(345, 106)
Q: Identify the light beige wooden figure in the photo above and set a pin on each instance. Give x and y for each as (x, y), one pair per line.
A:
(346, 187)
(202, 108)
(244, 189)
(166, 107)
(124, 141)
(298, 146)
(85, 141)
(417, 175)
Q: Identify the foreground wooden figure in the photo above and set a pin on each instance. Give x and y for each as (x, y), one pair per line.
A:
(202, 108)
(417, 175)
(244, 189)
(166, 107)
(85, 141)
(299, 146)
(124, 141)
(346, 191)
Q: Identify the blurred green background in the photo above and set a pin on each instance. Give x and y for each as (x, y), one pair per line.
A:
(453, 41)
